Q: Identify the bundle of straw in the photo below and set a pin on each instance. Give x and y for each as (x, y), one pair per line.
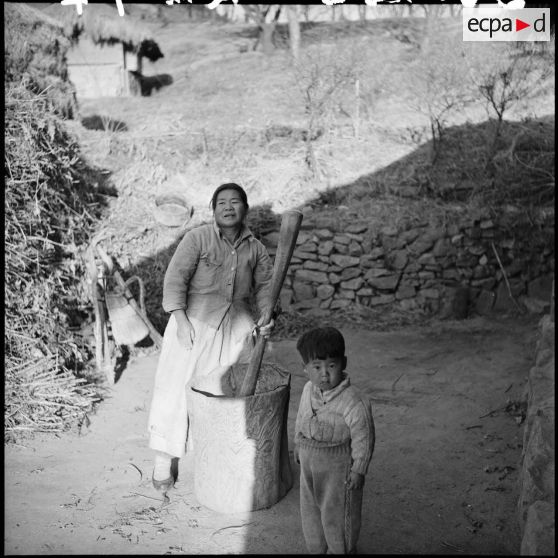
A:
(48, 216)
(43, 399)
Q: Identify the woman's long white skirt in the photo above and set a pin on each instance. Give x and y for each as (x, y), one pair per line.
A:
(205, 365)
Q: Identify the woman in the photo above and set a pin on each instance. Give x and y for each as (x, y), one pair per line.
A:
(207, 289)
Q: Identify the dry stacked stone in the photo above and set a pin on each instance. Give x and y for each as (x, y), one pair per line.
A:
(451, 269)
(537, 502)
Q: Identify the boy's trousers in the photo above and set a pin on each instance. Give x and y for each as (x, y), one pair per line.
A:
(330, 512)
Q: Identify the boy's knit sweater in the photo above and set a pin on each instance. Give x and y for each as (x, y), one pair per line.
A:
(333, 417)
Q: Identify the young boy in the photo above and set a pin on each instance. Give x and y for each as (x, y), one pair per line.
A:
(334, 442)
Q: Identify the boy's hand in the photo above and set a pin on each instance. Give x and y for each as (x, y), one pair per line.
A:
(355, 481)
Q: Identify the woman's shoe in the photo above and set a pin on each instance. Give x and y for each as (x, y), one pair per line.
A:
(162, 485)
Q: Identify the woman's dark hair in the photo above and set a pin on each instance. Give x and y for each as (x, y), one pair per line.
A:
(229, 186)
(322, 343)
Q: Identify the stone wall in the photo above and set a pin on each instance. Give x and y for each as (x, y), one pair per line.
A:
(536, 504)
(464, 263)
(448, 268)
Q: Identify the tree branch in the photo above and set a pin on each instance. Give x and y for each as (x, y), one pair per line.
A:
(505, 278)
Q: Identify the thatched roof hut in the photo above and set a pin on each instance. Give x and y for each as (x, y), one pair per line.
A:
(104, 26)
(105, 58)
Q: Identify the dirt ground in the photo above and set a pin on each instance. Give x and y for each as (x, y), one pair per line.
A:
(443, 479)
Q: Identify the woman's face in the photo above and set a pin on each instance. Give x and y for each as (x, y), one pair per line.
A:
(229, 209)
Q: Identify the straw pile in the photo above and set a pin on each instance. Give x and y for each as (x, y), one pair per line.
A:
(48, 216)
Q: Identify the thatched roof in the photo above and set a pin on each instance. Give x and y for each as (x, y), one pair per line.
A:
(35, 49)
(103, 25)
(23, 14)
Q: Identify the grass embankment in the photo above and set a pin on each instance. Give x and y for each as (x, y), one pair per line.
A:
(245, 117)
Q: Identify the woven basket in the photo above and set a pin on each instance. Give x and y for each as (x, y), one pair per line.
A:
(171, 210)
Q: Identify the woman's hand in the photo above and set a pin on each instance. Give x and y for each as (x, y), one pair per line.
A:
(184, 329)
(265, 331)
(355, 481)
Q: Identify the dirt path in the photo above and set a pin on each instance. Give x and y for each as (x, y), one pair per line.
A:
(442, 480)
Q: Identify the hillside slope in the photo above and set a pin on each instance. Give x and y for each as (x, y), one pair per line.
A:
(229, 113)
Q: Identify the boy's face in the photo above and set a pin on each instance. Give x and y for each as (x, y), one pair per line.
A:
(325, 373)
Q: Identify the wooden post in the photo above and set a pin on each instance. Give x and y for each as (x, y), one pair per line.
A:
(552, 302)
(290, 225)
(102, 347)
(125, 74)
(357, 108)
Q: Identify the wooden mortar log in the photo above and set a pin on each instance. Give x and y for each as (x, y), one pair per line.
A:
(240, 446)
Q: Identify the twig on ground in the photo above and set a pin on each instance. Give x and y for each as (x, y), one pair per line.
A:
(145, 496)
(232, 527)
(449, 545)
(138, 469)
(393, 385)
(490, 413)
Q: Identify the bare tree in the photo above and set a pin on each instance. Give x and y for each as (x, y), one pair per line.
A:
(294, 30)
(342, 13)
(454, 10)
(430, 10)
(322, 76)
(362, 12)
(507, 75)
(398, 10)
(265, 17)
(440, 87)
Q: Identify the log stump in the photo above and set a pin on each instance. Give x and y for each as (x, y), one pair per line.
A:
(240, 445)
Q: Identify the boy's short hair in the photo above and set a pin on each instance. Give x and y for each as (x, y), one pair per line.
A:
(229, 186)
(322, 343)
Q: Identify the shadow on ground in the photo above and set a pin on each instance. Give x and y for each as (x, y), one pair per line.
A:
(150, 84)
(103, 122)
